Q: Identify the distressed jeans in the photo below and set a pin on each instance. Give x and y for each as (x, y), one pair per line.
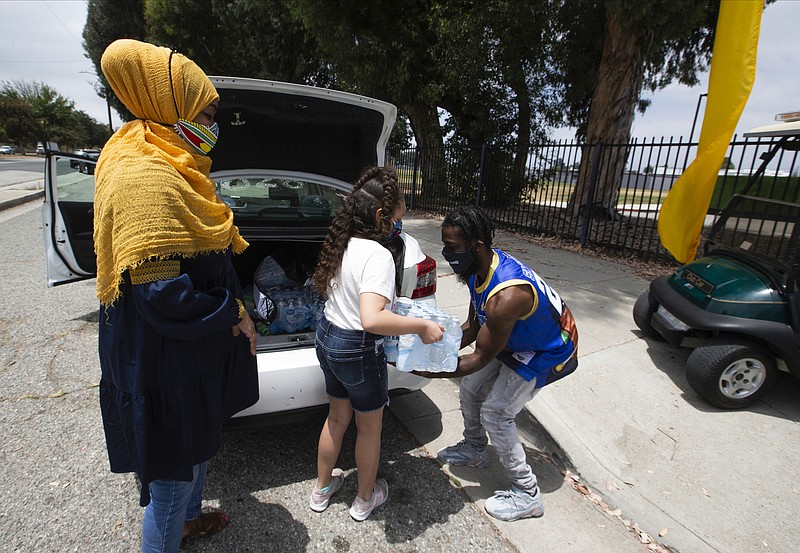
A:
(490, 400)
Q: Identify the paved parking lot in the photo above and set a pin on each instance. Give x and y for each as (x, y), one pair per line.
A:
(648, 451)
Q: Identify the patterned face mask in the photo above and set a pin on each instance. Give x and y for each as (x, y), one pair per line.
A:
(397, 228)
(198, 136)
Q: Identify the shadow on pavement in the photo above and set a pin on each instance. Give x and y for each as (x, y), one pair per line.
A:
(548, 475)
(263, 477)
(782, 400)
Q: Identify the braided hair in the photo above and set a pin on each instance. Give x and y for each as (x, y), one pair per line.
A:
(376, 188)
(472, 223)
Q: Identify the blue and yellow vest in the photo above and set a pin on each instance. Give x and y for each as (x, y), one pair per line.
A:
(543, 343)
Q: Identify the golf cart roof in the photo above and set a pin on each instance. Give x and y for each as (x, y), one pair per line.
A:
(789, 125)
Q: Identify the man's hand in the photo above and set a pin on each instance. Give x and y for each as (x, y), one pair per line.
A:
(426, 374)
(247, 328)
(459, 372)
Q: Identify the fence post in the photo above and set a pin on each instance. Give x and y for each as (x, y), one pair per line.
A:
(480, 175)
(587, 216)
(414, 179)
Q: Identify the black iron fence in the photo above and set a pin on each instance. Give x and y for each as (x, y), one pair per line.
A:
(605, 195)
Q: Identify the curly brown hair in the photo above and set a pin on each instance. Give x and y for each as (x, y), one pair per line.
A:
(376, 188)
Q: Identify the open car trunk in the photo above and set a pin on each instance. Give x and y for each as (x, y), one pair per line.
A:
(277, 271)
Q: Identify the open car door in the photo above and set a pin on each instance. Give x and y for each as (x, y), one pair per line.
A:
(67, 218)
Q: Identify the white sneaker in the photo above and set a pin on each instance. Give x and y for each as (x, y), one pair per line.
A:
(514, 504)
(319, 499)
(361, 509)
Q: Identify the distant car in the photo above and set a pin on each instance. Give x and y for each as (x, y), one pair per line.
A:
(285, 157)
(39, 150)
(7, 150)
(83, 167)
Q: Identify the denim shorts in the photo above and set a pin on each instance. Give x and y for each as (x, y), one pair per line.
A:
(354, 365)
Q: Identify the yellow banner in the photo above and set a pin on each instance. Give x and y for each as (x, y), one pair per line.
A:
(733, 70)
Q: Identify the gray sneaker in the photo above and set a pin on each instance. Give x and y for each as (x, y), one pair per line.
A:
(515, 503)
(361, 509)
(464, 454)
(319, 499)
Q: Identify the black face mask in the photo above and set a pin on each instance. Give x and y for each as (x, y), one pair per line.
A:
(460, 262)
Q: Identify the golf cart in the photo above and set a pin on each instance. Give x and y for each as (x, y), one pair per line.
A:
(738, 306)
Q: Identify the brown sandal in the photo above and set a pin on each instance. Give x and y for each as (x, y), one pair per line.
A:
(207, 524)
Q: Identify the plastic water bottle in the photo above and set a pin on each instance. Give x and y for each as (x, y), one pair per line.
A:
(318, 312)
(405, 342)
(280, 305)
(294, 316)
(436, 352)
(453, 330)
(390, 346)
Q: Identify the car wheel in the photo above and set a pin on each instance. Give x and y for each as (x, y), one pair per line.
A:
(730, 372)
(643, 311)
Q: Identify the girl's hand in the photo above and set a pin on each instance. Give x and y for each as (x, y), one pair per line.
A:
(434, 332)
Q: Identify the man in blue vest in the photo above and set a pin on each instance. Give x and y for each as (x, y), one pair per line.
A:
(525, 338)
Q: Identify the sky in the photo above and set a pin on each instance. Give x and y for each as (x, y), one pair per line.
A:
(40, 40)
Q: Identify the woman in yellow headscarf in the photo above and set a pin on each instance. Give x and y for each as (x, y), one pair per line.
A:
(177, 348)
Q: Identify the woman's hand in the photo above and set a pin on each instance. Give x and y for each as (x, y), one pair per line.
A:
(247, 328)
(433, 332)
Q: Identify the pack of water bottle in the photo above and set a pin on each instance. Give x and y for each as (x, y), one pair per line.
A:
(407, 350)
(289, 309)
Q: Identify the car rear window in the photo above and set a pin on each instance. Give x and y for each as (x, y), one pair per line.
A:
(280, 199)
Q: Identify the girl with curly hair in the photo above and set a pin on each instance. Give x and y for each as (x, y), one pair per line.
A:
(356, 273)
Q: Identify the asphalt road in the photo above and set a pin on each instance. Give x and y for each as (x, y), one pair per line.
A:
(20, 163)
(57, 494)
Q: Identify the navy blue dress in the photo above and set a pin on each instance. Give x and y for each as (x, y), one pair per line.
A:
(172, 371)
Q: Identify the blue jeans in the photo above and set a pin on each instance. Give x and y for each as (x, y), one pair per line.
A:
(354, 365)
(172, 502)
(490, 400)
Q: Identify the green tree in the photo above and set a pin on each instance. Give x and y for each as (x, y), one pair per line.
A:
(480, 62)
(385, 49)
(374, 54)
(244, 38)
(36, 112)
(609, 52)
(400, 138)
(107, 21)
(17, 121)
(498, 79)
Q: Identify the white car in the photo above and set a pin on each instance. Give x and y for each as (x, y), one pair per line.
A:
(7, 150)
(284, 161)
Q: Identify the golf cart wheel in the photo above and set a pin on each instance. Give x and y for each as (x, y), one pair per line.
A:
(730, 372)
(643, 311)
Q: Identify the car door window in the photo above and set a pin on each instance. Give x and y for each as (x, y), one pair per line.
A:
(73, 184)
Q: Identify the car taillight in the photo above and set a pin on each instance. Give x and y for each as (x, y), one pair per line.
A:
(426, 278)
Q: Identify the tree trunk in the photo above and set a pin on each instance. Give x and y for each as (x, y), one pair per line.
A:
(523, 98)
(611, 115)
(424, 120)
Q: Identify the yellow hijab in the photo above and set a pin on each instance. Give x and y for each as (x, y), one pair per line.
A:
(153, 198)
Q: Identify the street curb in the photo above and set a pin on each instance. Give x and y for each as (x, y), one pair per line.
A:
(14, 202)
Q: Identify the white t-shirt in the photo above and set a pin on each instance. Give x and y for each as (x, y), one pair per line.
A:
(366, 267)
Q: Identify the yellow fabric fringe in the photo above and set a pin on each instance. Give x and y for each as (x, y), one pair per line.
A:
(153, 197)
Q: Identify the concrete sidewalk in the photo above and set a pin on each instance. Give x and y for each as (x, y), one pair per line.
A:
(651, 455)
(19, 187)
